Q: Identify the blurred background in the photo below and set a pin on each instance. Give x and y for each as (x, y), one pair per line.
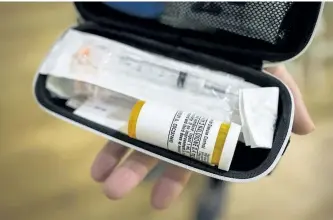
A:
(45, 162)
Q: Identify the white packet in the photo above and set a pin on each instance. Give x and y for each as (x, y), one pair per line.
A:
(135, 73)
(258, 111)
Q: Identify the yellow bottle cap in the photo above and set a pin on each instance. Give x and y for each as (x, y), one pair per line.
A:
(134, 118)
(219, 143)
(229, 146)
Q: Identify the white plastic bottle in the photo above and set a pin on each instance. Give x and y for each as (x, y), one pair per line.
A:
(201, 138)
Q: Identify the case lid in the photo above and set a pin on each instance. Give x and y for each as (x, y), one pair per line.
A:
(262, 31)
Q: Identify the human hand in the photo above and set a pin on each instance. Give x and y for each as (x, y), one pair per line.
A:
(120, 180)
(303, 123)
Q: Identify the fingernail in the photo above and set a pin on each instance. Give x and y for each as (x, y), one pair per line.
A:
(165, 192)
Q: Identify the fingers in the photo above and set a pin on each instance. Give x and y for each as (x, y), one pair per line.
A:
(303, 123)
(128, 175)
(107, 160)
(119, 181)
(169, 186)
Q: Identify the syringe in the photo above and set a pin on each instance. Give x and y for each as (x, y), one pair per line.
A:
(167, 76)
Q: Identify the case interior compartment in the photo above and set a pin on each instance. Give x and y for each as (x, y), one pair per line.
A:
(247, 162)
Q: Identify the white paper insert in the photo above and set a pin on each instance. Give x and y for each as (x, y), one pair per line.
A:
(127, 70)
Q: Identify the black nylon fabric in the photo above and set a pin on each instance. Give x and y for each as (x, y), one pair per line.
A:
(257, 20)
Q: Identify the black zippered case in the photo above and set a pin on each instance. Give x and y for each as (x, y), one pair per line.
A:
(246, 37)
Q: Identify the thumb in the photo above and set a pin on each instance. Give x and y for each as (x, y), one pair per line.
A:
(303, 123)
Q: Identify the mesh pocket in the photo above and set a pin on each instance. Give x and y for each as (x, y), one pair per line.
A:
(258, 20)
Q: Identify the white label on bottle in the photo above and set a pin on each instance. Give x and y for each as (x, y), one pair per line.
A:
(186, 133)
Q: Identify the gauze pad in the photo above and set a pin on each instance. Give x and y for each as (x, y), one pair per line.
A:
(258, 112)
